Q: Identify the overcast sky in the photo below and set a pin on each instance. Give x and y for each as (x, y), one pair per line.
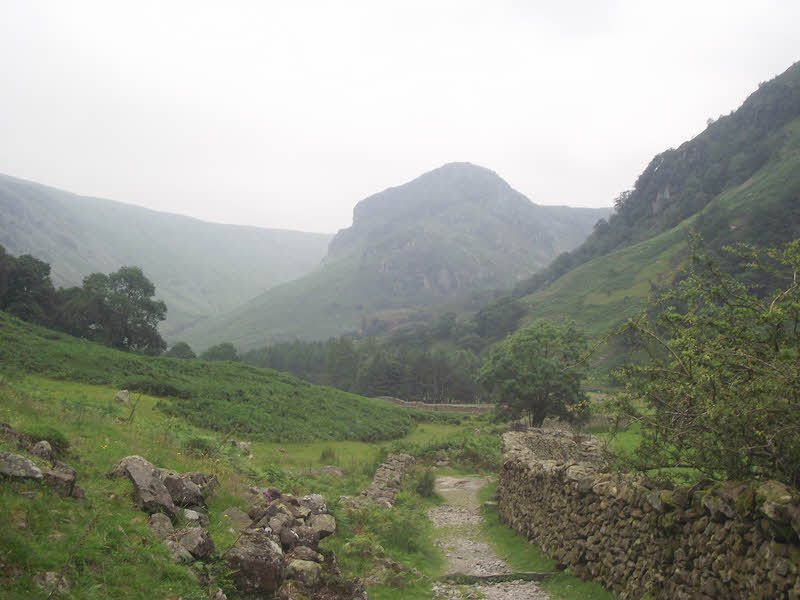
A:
(285, 114)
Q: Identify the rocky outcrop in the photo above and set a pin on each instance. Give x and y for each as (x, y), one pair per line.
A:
(711, 540)
(388, 480)
(257, 561)
(182, 490)
(149, 491)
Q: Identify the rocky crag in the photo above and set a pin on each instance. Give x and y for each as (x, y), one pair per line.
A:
(712, 540)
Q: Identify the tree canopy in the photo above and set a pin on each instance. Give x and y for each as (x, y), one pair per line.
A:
(721, 391)
(532, 373)
(180, 350)
(223, 351)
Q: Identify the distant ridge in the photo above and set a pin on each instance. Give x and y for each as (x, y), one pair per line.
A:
(200, 269)
(453, 230)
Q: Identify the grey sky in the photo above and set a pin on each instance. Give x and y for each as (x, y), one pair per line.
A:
(285, 114)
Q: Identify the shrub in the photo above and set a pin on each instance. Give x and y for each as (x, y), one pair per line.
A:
(425, 484)
(200, 446)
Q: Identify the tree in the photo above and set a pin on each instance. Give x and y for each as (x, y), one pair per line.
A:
(28, 289)
(224, 351)
(180, 350)
(121, 312)
(721, 391)
(532, 374)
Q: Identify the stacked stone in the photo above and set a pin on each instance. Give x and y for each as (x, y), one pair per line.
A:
(710, 540)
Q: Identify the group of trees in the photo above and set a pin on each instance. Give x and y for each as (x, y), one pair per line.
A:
(117, 310)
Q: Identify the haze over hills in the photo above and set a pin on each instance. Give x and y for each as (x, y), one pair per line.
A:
(453, 230)
(200, 269)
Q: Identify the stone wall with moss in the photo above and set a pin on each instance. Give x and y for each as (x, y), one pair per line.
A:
(711, 540)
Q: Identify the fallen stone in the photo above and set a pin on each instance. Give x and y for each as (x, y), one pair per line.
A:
(207, 483)
(42, 449)
(305, 571)
(306, 553)
(61, 482)
(257, 562)
(315, 503)
(324, 525)
(18, 467)
(182, 490)
(179, 553)
(123, 397)
(160, 524)
(194, 518)
(149, 492)
(197, 541)
(237, 519)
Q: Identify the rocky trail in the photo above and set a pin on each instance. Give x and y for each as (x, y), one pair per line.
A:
(467, 552)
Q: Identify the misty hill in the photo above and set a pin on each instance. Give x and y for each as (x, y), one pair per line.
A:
(680, 183)
(450, 231)
(738, 181)
(199, 269)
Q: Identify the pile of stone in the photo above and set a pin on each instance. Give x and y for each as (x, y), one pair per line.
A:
(730, 539)
(388, 480)
(277, 548)
(58, 476)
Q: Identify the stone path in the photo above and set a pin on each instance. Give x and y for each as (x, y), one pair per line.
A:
(458, 523)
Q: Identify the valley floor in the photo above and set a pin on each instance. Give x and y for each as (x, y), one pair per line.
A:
(458, 523)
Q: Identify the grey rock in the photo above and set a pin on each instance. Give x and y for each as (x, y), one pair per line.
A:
(123, 397)
(257, 562)
(149, 492)
(237, 519)
(42, 449)
(306, 553)
(324, 525)
(194, 518)
(51, 582)
(182, 490)
(60, 481)
(305, 571)
(160, 524)
(178, 552)
(19, 467)
(197, 541)
(315, 503)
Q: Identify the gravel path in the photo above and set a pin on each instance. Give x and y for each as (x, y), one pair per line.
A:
(458, 525)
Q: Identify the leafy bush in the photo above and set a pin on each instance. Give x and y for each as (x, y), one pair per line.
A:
(425, 484)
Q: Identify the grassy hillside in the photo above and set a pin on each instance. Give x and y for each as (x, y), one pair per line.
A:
(451, 231)
(764, 210)
(679, 183)
(226, 397)
(199, 269)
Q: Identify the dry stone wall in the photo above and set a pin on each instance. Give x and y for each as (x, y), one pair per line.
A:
(722, 540)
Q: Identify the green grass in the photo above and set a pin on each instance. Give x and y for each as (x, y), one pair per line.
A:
(523, 556)
(227, 397)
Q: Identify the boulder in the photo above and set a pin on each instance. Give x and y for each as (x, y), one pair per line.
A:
(149, 492)
(305, 571)
(10, 434)
(257, 562)
(194, 518)
(207, 483)
(775, 500)
(18, 467)
(306, 536)
(315, 503)
(306, 553)
(182, 490)
(196, 540)
(62, 482)
(42, 449)
(123, 397)
(160, 524)
(178, 552)
(323, 525)
(241, 446)
(237, 519)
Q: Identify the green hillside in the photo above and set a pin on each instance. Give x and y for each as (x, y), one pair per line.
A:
(454, 230)
(764, 210)
(679, 183)
(226, 397)
(199, 269)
